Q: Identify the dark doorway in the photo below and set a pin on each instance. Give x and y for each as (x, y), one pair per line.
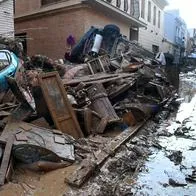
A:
(133, 34)
(23, 38)
(155, 49)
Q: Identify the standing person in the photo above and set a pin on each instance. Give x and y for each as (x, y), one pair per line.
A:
(160, 57)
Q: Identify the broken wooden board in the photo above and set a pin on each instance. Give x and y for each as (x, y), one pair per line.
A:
(98, 78)
(6, 159)
(19, 95)
(84, 171)
(7, 106)
(58, 104)
(121, 89)
(102, 125)
(4, 114)
(100, 102)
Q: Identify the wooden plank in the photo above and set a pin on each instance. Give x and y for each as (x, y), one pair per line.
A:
(4, 113)
(121, 89)
(100, 102)
(58, 104)
(99, 78)
(82, 173)
(9, 107)
(6, 159)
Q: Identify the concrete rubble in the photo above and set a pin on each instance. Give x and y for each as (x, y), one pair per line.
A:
(82, 110)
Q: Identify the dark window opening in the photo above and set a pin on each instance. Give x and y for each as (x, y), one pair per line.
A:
(22, 37)
(143, 9)
(155, 49)
(46, 2)
(159, 19)
(126, 6)
(149, 11)
(118, 3)
(134, 34)
(154, 15)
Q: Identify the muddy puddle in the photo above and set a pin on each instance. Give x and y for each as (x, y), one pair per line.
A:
(171, 169)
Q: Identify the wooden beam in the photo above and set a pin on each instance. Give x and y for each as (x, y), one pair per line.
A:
(6, 159)
(88, 166)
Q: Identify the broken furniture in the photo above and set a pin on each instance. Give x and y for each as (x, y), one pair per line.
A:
(100, 102)
(58, 104)
(91, 122)
(24, 110)
(100, 64)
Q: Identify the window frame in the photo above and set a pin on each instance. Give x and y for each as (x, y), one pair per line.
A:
(159, 19)
(143, 8)
(154, 15)
(126, 5)
(149, 11)
(118, 3)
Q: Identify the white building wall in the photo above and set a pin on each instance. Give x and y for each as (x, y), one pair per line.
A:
(152, 35)
(6, 18)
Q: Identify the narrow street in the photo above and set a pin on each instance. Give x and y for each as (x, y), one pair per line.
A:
(170, 171)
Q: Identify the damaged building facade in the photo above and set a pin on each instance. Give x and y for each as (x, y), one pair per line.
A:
(40, 21)
(153, 15)
(175, 35)
(45, 20)
(191, 42)
(6, 18)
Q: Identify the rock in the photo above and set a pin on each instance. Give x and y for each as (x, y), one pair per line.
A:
(176, 157)
(179, 132)
(138, 150)
(192, 177)
(157, 145)
(164, 133)
(176, 182)
(176, 178)
(134, 140)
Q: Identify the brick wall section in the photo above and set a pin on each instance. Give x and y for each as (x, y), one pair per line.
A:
(50, 39)
(23, 6)
(6, 18)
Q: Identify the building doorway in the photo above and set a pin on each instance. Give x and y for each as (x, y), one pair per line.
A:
(23, 38)
(134, 34)
(155, 49)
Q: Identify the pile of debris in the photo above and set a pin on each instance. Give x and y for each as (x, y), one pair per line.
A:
(76, 112)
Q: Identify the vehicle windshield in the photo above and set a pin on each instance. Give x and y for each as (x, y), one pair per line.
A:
(4, 60)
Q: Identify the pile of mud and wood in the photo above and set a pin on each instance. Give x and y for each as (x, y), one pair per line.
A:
(81, 110)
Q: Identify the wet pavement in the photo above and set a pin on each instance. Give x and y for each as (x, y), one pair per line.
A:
(171, 169)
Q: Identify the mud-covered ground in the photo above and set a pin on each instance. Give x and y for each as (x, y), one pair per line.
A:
(172, 169)
(160, 160)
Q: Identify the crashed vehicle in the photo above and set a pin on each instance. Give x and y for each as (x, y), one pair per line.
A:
(8, 65)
